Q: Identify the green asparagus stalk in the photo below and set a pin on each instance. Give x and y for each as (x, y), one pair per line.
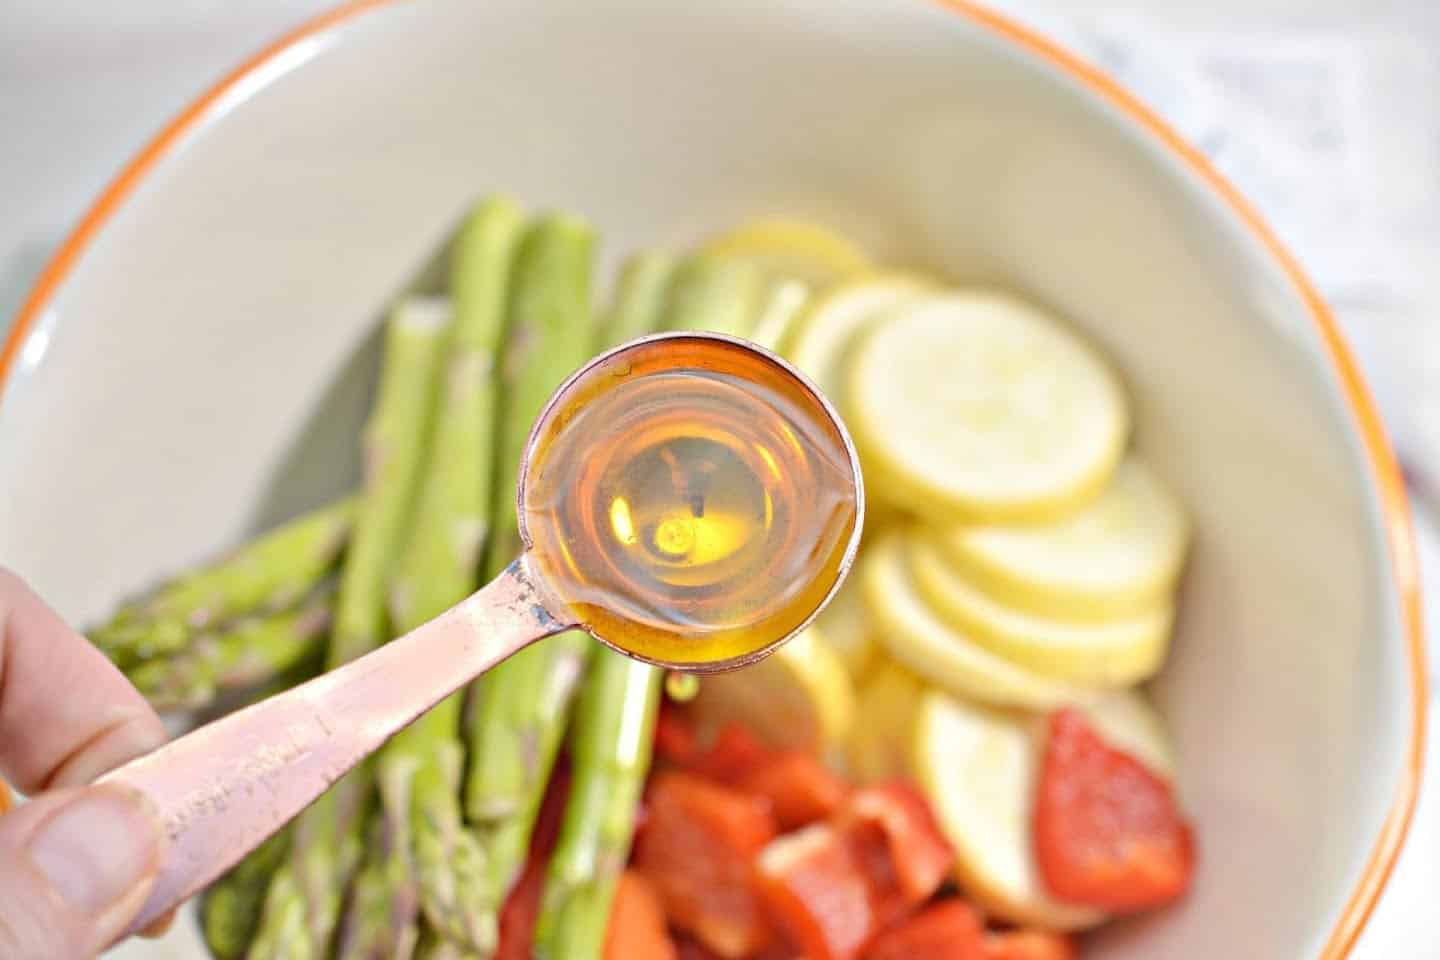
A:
(783, 304)
(522, 705)
(426, 858)
(303, 904)
(639, 298)
(251, 652)
(282, 923)
(550, 332)
(381, 921)
(610, 750)
(267, 574)
(231, 907)
(435, 947)
(720, 296)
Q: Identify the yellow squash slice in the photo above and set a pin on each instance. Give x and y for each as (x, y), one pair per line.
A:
(800, 697)
(831, 326)
(791, 250)
(941, 654)
(879, 747)
(1104, 654)
(982, 407)
(1127, 721)
(1118, 556)
(844, 626)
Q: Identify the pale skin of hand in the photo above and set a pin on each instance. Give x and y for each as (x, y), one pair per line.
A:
(76, 862)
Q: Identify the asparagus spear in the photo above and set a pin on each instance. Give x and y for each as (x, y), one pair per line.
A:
(523, 703)
(266, 574)
(250, 652)
(550, 333)
(712, 294)
(303, 903)
(434, 947)
(781, 306)
(610, 754)
(426, 858)
(381, 921)
(281, 929)
(639, 298)
(231, 907)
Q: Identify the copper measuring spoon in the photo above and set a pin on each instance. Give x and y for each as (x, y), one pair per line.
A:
(224, 788)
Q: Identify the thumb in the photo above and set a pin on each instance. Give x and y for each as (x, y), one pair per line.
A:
(75, 868)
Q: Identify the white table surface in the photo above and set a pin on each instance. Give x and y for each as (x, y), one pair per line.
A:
(84, 84)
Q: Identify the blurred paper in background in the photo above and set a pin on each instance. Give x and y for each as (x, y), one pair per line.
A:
(1333, 132)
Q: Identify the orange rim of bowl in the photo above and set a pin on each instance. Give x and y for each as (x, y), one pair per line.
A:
(1383, 467)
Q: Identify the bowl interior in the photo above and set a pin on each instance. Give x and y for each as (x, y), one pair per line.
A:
(203, 370)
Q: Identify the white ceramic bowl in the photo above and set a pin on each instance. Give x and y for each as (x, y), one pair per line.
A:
(194, 362)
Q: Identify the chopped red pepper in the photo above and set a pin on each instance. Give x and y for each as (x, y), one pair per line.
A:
(799, 787)
(817, 893)
(1108, 832)
(518, 915)
(949, 930)
(778, 951)
(687, 949)
(637, 923)
(522, 906)
(694, 950)
(1029, 945)
(898, 841)
(675, 739)
(831, 886)
(729, 755)
(871, 852)
(733, 754)
(697, 848)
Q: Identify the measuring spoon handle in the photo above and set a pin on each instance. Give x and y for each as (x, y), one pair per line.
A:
(222, 789)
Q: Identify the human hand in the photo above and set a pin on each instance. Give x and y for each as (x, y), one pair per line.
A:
(76, 861)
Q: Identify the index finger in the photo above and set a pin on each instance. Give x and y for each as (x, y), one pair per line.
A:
(67, 714)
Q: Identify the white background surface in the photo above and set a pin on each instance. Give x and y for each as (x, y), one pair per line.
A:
(1353, 184)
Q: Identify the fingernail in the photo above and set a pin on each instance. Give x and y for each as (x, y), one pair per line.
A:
(96, 848)
(160, 927)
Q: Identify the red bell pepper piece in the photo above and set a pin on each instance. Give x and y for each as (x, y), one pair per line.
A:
(697, 848)
(799, 788)
(1029, 945)
(899, 845)
(734, 753)
(518, 915)
(688, 949)
(831, 886)
(816, 892)
(522, 905)
(949, 930)
(637, 923)
(1108, 832)
(675, 740)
